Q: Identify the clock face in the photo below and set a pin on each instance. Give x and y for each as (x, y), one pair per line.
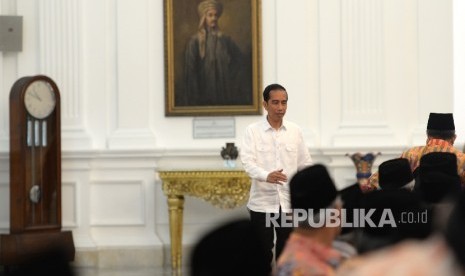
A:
(39, 99)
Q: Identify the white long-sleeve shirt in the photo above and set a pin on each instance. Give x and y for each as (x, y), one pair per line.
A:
(265, 149)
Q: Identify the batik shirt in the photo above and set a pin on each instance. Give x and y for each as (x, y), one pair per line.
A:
(305, 256)
(433, 145)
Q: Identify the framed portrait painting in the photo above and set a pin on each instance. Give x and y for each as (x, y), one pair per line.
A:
(212, 57)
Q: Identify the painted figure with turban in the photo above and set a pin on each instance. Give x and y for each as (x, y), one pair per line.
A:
(214, 64)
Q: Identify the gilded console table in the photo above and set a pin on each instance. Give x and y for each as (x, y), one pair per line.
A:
(224, 189)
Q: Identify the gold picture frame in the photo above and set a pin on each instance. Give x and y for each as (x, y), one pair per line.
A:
(232, 85)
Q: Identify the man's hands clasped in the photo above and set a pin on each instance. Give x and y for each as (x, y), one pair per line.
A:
(277, 177)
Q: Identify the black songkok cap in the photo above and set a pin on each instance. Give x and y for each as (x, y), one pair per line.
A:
(441, 121)
(233, 248)
(394, 173)
(398, 202)
(438, 179)
(445, 162)
(312, 188)
(350, 197)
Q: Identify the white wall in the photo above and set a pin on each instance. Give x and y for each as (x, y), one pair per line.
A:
(362, 75)
(459, 68)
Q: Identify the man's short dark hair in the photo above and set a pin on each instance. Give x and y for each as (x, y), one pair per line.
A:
(271, 87)
(440, 134)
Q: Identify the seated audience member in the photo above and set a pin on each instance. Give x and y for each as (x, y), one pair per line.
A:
(308, 250)
(440, 138)
(437, 179)
(350, 197)
(395, 174)
(454, 232)
(230, 249)
(388, 222)
(438, 255)
(438, 184)
(345, 242)
(430, 257)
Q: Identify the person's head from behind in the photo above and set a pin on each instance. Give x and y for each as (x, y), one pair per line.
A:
(437, 179)
(441, 126)
(233, 248)
(209, 12)
(394, 174)
(312, 193)
(275, 101)
(350, 197)
(390, 216)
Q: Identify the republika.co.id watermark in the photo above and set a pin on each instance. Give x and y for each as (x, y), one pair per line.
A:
(357, 218)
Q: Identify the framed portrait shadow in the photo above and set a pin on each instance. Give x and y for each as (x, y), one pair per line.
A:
(212, 57)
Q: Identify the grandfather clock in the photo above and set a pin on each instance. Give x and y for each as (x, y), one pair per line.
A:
(35, 173)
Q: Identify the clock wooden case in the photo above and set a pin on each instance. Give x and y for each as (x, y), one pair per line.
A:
(35, 155)
(35, 171)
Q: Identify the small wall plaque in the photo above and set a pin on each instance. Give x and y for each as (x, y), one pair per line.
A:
(219, 127)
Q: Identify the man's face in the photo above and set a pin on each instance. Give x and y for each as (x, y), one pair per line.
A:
(277, 104)
(211, 18)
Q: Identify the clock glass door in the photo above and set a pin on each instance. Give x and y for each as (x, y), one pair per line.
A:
(42, 193)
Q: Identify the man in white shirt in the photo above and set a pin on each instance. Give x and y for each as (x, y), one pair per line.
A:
(272, 151)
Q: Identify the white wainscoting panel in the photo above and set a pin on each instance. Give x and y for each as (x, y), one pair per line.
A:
(117, 203)
(69, 203)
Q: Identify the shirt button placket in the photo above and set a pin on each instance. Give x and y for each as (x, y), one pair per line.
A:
(278, 149)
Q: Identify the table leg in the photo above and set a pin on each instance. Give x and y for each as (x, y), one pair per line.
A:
(176, 207)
